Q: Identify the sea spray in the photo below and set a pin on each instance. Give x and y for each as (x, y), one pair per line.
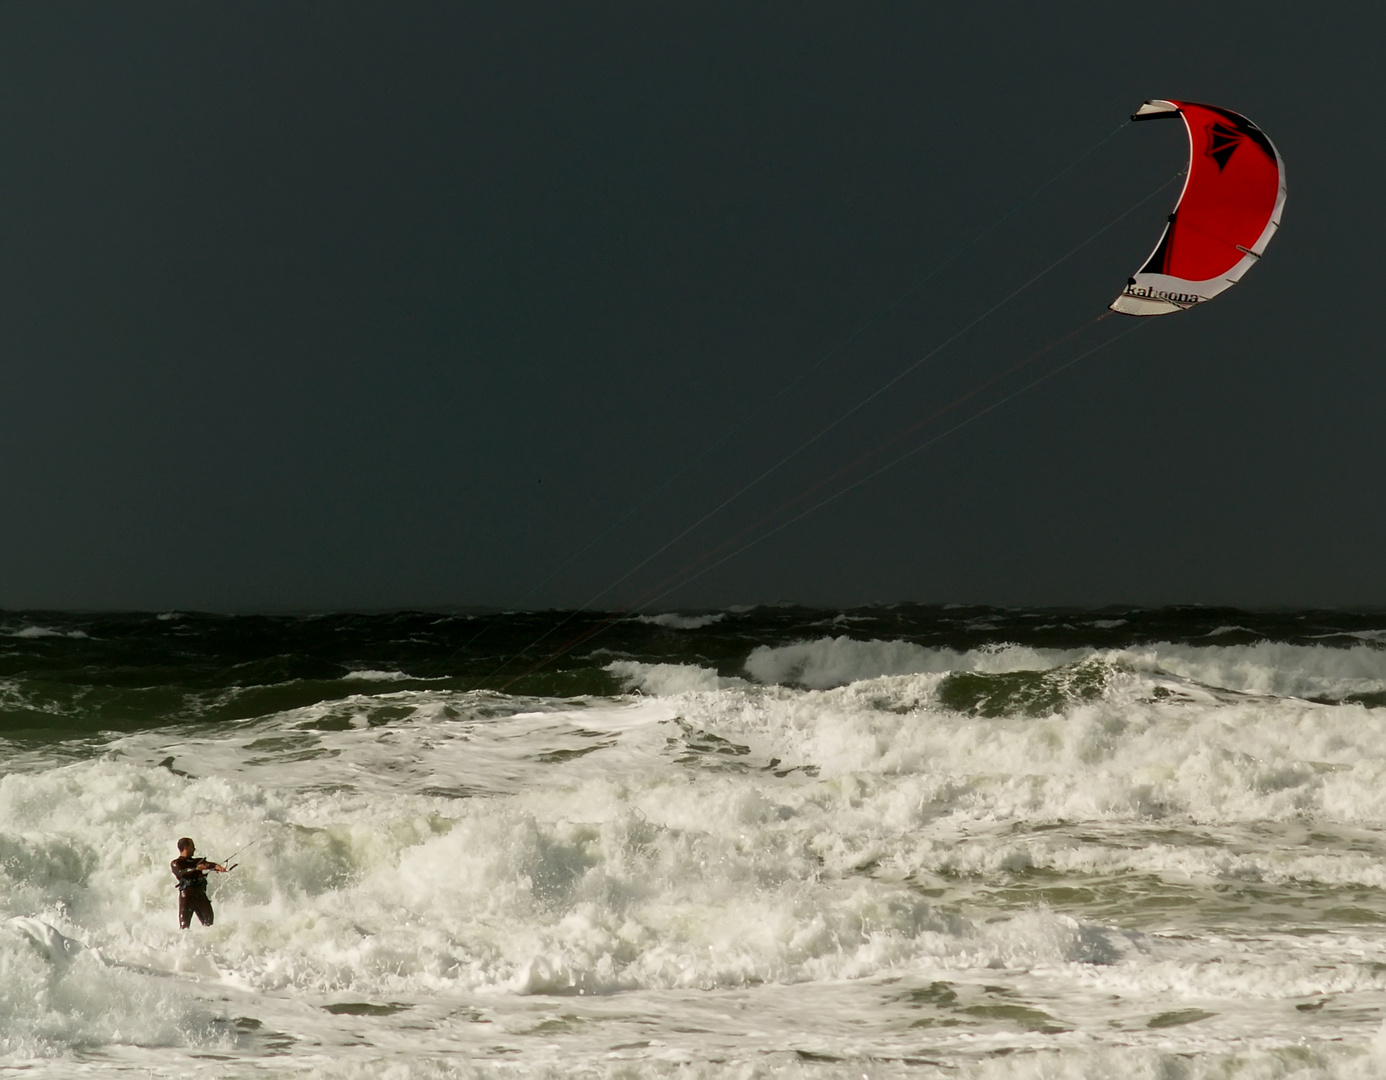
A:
(902, 842)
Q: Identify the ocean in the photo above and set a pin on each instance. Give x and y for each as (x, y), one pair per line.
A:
(905, 841)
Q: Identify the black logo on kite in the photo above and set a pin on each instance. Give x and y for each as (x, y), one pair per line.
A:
(1222, 142)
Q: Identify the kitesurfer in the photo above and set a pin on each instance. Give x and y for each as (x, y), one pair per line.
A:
(191, 873)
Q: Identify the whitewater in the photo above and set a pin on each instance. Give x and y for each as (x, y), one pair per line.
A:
(923, 842)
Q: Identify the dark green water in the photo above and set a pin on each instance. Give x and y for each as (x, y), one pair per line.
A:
(63, 674)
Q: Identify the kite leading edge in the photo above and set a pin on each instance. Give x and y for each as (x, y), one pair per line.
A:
(1230, 207)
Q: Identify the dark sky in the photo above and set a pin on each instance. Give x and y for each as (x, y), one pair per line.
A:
(371, 305)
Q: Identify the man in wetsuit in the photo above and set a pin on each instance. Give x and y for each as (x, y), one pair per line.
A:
(191, 873)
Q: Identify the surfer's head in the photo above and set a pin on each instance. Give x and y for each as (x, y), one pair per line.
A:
(185, 846)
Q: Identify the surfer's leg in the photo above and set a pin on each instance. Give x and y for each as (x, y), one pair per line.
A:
(204, 910)
(185, 911)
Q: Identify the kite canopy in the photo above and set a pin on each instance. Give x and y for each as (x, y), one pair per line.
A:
(1230, 207)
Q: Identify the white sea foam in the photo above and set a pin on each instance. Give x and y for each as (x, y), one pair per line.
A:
(681, 622)
(45, 632)
(1269, 667)
(837, 661)
(1263, 668)
(728, 875)
(668, 679)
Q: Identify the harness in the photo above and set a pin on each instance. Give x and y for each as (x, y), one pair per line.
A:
(193, 878)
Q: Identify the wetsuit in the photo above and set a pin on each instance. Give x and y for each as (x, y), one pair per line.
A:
(192, 890)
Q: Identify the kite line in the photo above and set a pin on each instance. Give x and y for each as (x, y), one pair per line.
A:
(868, 324)
(683, 576)
(840, 419)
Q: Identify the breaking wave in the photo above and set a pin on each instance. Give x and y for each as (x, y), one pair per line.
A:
(782, 855)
